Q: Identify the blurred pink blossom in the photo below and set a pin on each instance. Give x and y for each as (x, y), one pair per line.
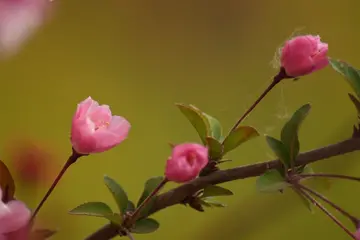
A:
(19, 20)
(303, 55)
(95, 130)
(186, 162)
(14, 215)
(357, 234)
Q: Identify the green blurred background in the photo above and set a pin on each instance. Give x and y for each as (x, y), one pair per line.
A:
(140, 57)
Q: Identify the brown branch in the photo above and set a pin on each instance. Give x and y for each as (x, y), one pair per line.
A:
(177, 195)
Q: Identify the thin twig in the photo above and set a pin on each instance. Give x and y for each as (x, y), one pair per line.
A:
(322, 208)
(177, 195)
(332, 204)
(325, 175)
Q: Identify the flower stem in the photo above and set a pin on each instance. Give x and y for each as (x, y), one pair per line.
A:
(137, 211)
(329, 176)
(72, 159)
(280, 76)
(298, 188)
(338, 208)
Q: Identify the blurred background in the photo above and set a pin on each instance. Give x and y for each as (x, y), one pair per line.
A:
(141, 57)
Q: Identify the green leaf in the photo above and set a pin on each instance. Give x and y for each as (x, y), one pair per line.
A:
(149, 187)
(7, 183)
(215, 128)
(215, 148)
(240, 135)
(130, 207)
(96, 209)
(209, 202)
(279, 149)
(197, 119)
(289, 133)
(41, 234)
(305, 201)
(271, 181)
(212, 191)
(351, 74)
(118, 193)
(356, 102)
(147, 225)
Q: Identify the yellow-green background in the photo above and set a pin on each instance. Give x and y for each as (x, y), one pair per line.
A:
(141, 57)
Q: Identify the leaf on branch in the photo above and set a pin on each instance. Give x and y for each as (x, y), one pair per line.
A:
(7, 183)
(130, 207)
(41, 234)
(197, 119)
(210, 202)
(147, 225)
(240, 135)
(305, 201)
(215, 148)
(271, 181)
(351, 74)
(96, 209)
(118, 193)
(215, 128)
(280, 150)
(289, 133)
(212, 191)
(149, 187)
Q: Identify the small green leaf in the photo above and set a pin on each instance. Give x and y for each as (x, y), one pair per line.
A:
(279, 149)
(215, 128)
(149, 187)
(271, 181)
(240, 135)
(197, 119)
(147, 225)
(209, 202)
(130, 207)
(289, 133)
(96, 209)
(118, 193)
(351, 74)
(212, 191)
(7, 183)
(41, 234)
(356, 102)
(215, 148)
(305, 201)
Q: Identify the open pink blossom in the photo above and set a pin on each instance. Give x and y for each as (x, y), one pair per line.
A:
(186, 162)
(19, 19)
(303, 55)
(95, 130)
(13, 216)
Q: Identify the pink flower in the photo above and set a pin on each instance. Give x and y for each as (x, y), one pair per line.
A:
(14, 215)
(19, 19)
(303, 55)
(95, 130)
(186, 162)
(357, 234)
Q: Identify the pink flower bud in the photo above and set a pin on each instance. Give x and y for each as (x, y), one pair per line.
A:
(186, 162)
(13, 216)
(95, 130)
(303, 55)
(19, 19)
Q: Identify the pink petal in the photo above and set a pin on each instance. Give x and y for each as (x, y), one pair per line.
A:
(82, 137)
(100, 115)
(299, 65)
(18, 217)
(106, 140)
(119, 126)
(85, 107)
